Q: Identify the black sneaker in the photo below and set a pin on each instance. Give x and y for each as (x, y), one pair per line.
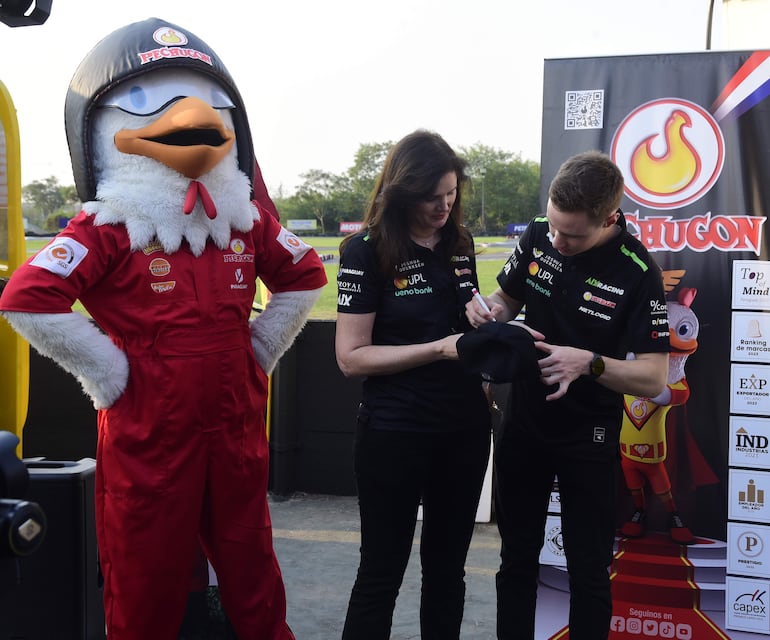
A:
(678, 531)
(676, 522)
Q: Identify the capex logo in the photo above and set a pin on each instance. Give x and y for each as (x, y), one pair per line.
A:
(751, 604)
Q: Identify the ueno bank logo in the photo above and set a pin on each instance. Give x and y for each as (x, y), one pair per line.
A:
(671, 152)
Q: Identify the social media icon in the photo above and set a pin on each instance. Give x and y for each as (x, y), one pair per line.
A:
(650, 628)
(618, 623)
(683, 631)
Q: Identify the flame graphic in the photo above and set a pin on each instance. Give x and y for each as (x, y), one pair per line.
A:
(170, 37)
(639, 408)
(676, 168)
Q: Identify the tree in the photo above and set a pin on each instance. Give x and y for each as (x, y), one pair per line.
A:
(367, 165)
(48, 200)
(511, 188)
(323, 194)
(44, 196)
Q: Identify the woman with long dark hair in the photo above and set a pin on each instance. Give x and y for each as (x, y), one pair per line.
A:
(423, 431)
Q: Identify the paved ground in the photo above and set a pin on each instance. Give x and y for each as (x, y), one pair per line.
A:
(317, 539)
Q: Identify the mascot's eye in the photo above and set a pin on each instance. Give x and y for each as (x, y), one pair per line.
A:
(137, 98)
(687, 329)
(151, 93)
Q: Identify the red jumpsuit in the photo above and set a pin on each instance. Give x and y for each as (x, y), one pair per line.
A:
(182, 453)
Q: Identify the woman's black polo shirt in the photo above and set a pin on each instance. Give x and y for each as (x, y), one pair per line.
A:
(425, 302)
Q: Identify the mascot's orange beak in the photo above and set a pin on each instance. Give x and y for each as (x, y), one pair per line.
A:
(190, 138)
(682, 347)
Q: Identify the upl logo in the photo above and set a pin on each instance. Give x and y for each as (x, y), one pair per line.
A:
(671, 152)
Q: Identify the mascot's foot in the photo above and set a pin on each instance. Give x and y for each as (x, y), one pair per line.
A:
(634, 528)
(678, 532)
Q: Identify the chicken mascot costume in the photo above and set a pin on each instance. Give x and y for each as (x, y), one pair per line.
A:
(164, 256)
(643, 440)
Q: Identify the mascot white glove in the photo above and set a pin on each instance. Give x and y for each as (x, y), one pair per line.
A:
(80, 348)
(273, 331)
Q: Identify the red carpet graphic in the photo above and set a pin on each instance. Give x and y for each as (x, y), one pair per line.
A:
(654, 593)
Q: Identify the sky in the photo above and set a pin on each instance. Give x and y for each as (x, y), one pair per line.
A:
(321, 78)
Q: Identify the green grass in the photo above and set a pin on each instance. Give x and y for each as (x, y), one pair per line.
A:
(326, 307)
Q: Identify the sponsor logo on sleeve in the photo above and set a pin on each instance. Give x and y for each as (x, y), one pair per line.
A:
(296, 247)
(61, 257)
(344, 299)
(350, 272)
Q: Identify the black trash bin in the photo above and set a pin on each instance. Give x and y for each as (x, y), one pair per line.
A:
(55, 592)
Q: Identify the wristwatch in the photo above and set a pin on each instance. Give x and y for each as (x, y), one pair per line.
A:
(597, 366)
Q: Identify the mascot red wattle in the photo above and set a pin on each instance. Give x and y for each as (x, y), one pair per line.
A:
(165, 256)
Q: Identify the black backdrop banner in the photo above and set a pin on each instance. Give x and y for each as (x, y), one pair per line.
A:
(691, 133)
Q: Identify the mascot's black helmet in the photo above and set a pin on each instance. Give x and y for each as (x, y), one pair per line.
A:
(128, 52)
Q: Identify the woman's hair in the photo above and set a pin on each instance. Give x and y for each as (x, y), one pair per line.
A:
(412, 170)
(589, 182)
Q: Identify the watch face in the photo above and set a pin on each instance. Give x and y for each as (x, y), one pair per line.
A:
(597, 366)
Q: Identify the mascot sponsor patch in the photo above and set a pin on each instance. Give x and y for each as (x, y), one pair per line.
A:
(61, 257)
(293, 244)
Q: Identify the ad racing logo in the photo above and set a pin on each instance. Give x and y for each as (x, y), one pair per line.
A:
(598, 284)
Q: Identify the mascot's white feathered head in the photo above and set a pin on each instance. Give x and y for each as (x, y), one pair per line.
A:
(684, 329)
(159, 138)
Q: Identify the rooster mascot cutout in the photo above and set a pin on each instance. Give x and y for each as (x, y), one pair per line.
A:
(643, 444)
(164, 256)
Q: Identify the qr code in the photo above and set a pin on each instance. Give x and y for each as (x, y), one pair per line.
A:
(584, 109)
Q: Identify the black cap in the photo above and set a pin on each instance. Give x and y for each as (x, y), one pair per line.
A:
(500, 352)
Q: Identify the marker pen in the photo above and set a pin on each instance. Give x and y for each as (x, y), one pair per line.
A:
(480, 300)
